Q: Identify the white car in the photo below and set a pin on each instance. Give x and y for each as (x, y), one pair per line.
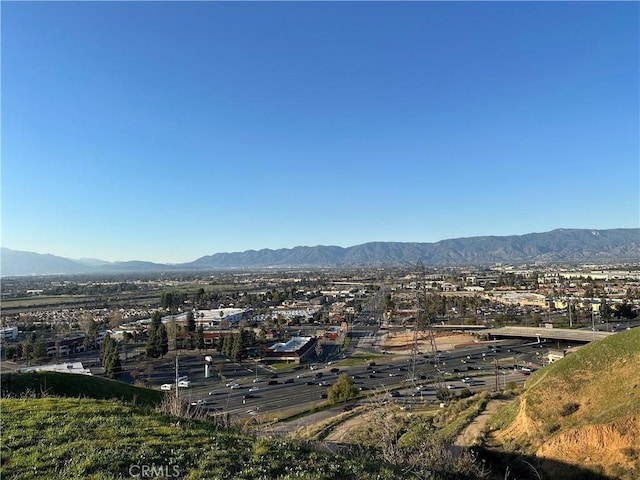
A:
(235, 385)
(184, 384)
(300, 376)
(451, 387)
(166, 386)
(183, 378)
(257, 379)
(254, 389)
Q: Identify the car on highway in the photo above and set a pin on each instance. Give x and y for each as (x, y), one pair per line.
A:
(451, 387)
(254, 389)
(184, 384)
(272, 382)
(166, 386)
(257, 379)
(214, 392)
(235, 386)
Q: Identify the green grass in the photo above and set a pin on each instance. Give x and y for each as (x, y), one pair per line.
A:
(78, 386)
(280, 366)
(68, 438)
(454, 418)
(505, 415)
(359, 360)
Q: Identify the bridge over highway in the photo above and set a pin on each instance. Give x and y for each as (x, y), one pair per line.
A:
(548, 333)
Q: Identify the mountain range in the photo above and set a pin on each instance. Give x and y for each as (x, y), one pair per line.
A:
(556, 246)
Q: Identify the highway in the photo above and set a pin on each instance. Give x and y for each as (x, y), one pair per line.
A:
(392, 372)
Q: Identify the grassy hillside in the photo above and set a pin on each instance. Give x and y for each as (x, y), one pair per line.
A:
(78, 386)
(584, 409)
(63, 438)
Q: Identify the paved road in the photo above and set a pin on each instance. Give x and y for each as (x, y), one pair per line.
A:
(304, 391)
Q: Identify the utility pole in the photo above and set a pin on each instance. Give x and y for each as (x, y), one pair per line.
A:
(423, 303)
(177, 376)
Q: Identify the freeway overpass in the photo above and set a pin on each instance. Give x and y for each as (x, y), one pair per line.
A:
(548, 333)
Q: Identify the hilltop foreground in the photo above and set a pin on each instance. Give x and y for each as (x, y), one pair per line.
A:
(583, 410)
(56, 438)
(578, 418)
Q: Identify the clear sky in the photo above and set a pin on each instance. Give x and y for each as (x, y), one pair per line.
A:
(166, 131)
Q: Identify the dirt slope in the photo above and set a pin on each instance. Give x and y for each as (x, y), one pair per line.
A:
(584, 409)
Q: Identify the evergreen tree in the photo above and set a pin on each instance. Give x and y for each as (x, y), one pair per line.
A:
(237, 347)
(200, 338)
(152, 349)
(191, 321)
(163, 340)
(110, 358)
(227, 345)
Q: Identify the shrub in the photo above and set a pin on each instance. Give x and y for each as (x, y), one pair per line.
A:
(569, 408)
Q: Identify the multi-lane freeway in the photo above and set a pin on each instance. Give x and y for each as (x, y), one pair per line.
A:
(297, 389)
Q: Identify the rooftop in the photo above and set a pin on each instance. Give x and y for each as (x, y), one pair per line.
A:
(293, 345)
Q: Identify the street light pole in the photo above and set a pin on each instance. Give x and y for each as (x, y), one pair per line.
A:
(177, 376)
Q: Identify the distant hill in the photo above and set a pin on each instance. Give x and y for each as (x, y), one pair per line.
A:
(15, 262)
(557, 246)
(583, 409)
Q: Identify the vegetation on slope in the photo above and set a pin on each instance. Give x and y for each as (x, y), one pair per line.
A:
(417, 439)
(82, 438)
(72, 385)
(584, 409)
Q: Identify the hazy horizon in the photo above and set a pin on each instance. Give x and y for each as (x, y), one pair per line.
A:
(99, 259)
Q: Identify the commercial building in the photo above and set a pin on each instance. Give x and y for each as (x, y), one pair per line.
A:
(296, 350)
(8, 333)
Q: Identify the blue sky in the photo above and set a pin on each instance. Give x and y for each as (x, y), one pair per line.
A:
(167, 131)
